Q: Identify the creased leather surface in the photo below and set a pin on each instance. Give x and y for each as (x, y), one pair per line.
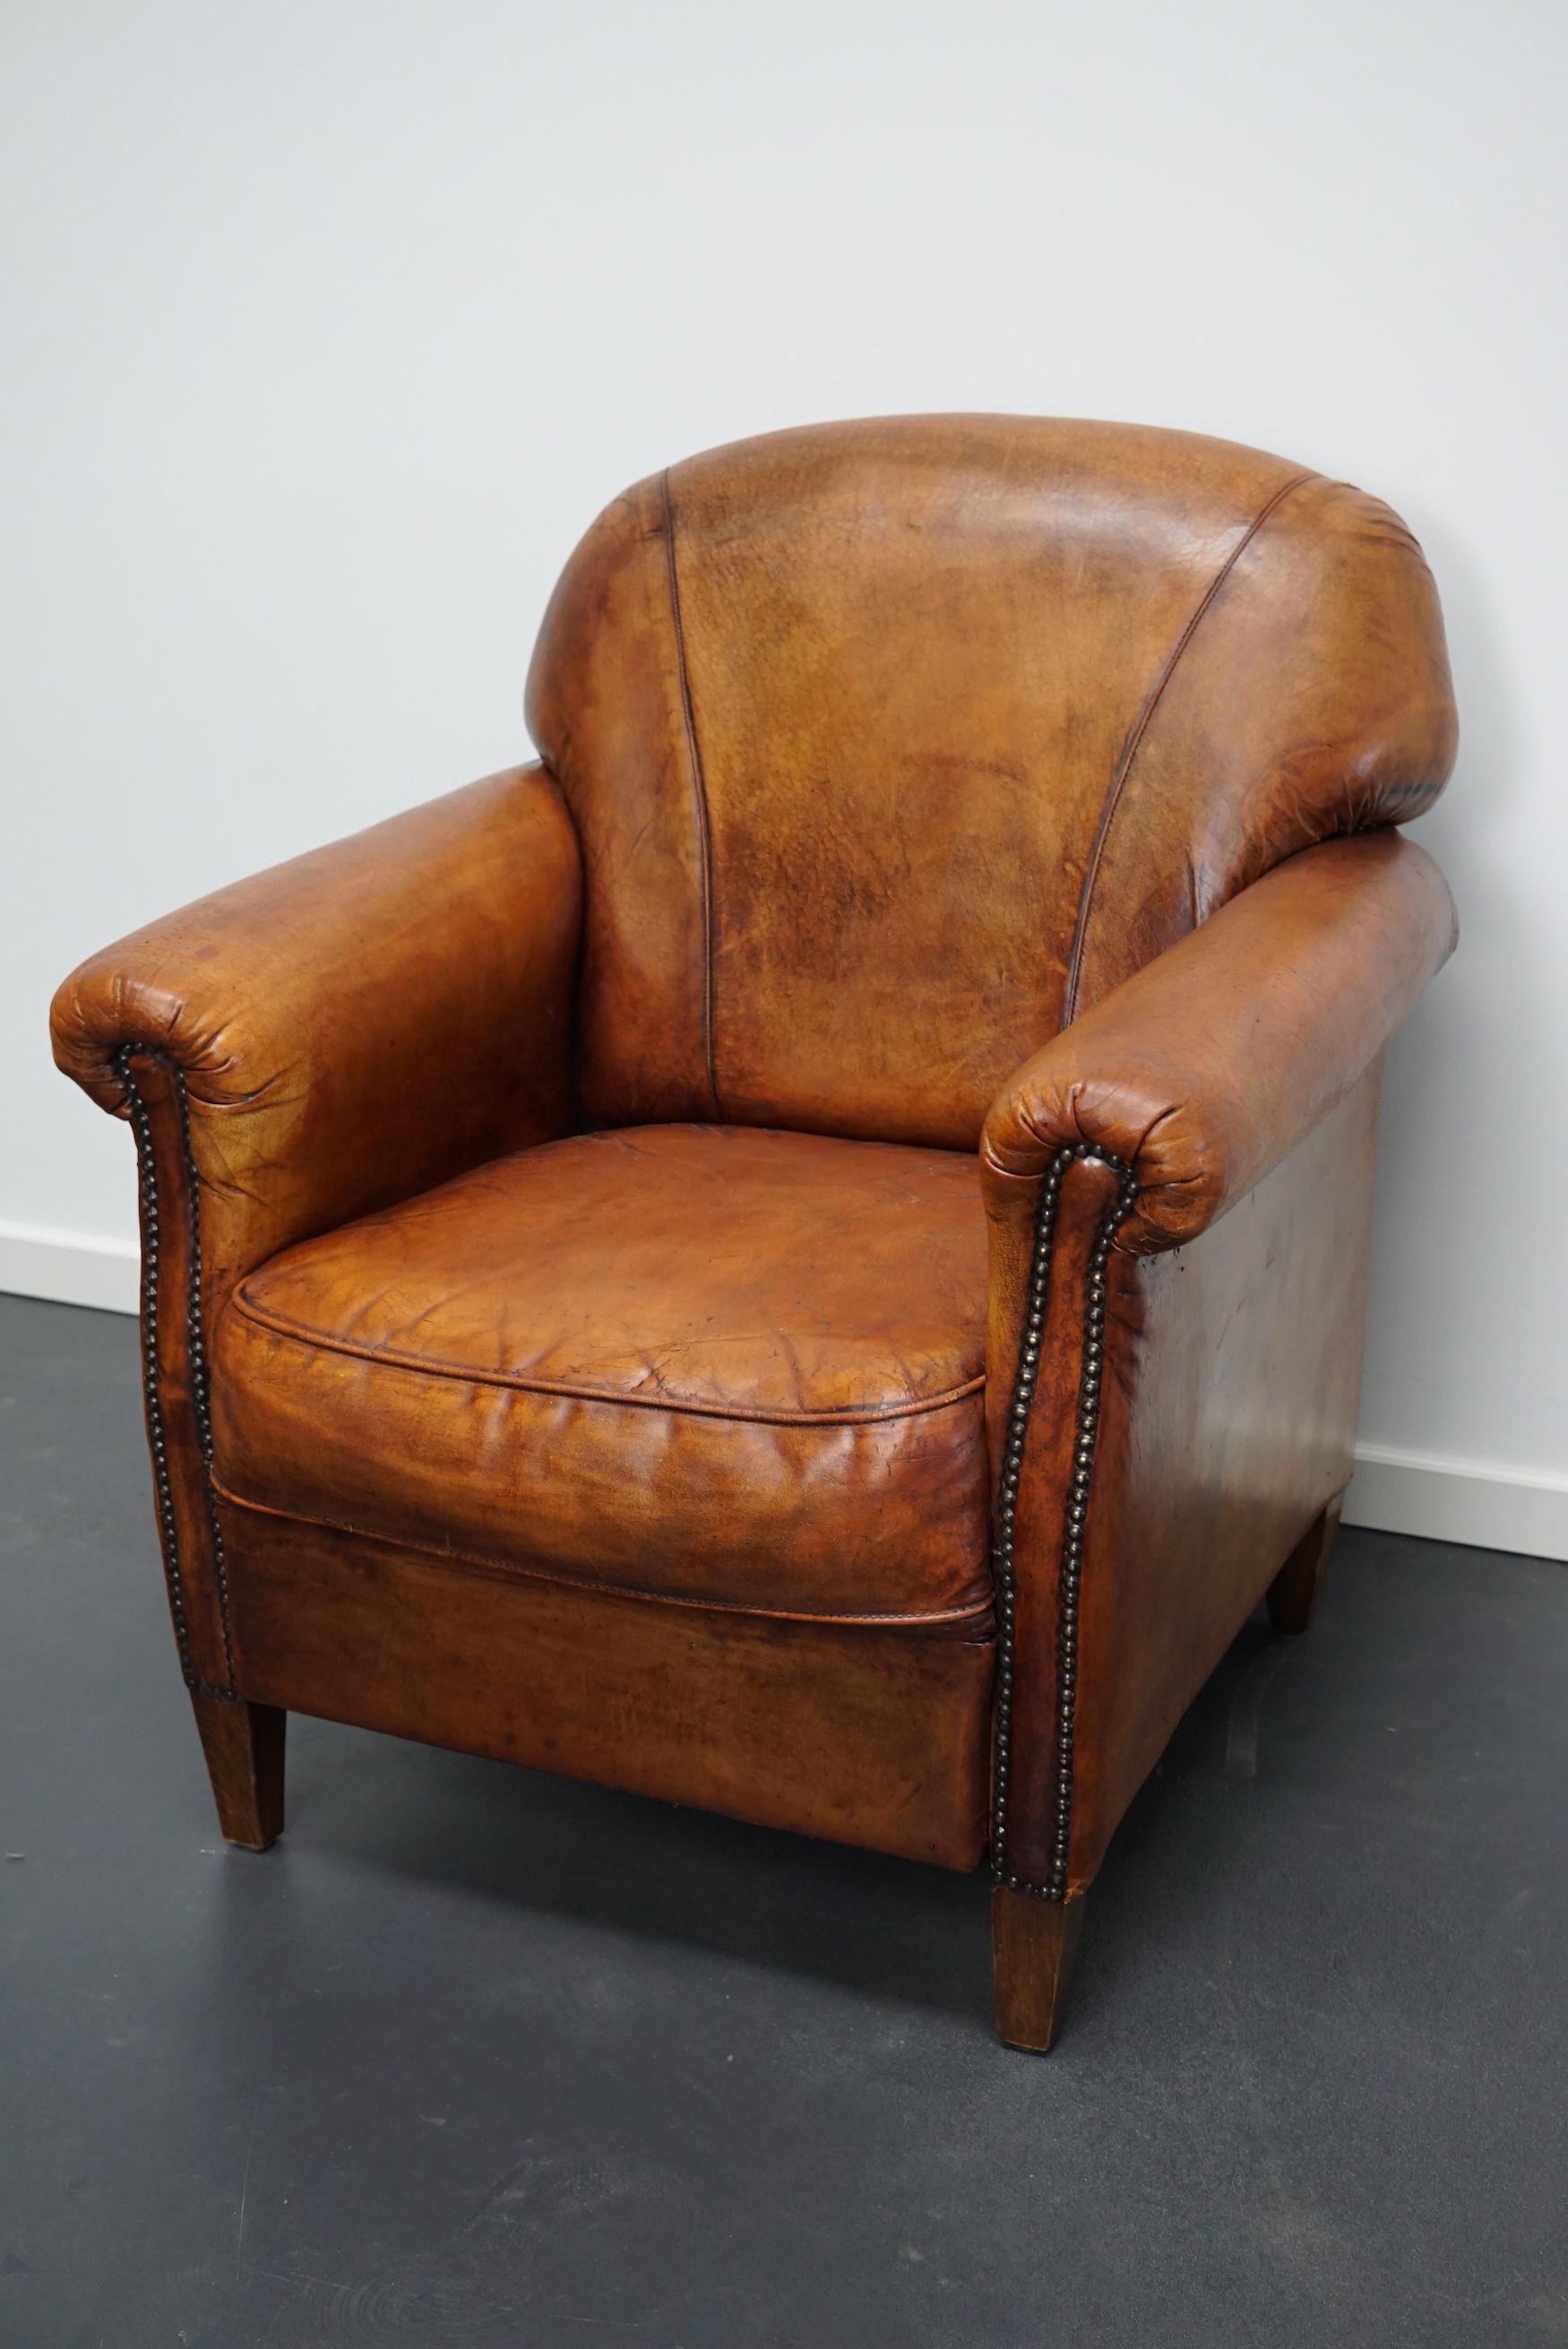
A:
(1233, 1379)
(712, 1362)
(1205, 1069)
(356, 1024)
(865, 1734)
(607, 704)
(1237, 1075)
(890, 741)
(894, 769)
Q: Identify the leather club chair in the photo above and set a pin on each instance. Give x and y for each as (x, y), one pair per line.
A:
(807, 1253)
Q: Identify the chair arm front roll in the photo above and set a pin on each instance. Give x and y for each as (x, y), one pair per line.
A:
(1179, 1195)
(1204, 1070)
(341, 1033)
(353, 1026)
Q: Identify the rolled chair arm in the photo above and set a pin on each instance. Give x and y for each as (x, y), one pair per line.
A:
(352, 1026)
(1203, 1071)
(1141, 1504)
(342, 1031)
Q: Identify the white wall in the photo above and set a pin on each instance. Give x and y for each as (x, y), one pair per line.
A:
(330, 326)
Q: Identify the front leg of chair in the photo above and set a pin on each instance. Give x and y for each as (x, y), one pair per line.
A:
(1033, 1944)
(243, 1745)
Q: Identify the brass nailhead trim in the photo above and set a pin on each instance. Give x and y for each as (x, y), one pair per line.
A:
(168, 1526)
(1003, 1572)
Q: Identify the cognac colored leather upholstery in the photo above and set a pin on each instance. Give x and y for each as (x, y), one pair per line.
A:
(808, 1253)
(353, 1026)
(1206, 1067)
(733, 1366)
(862, 1732)
(894, 745)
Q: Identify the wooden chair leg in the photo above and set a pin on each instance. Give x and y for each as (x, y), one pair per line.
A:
(1033, 1943)
(1292, 1593)
(243, 1744)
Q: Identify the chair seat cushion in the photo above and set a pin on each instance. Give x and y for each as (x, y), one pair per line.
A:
(731, 1366)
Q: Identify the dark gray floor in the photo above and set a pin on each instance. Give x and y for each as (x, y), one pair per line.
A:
(475, 2057)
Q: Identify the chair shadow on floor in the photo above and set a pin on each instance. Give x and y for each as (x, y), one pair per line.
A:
(855, 1921)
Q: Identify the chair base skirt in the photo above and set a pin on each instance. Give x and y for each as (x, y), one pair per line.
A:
(860, 1733)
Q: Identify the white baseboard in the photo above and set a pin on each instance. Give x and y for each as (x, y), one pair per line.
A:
(1428, 1493)
(1452, 1500)
(71, 1267)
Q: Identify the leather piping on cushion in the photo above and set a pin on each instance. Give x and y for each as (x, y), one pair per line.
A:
(953, 1623)
(859, 1734)
(948, 1620)
(492, 1375)
(302, 1333)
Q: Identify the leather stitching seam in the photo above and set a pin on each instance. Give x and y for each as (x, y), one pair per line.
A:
(508, 1570)
(301, 1333)
(699, 790)
(1135, 740)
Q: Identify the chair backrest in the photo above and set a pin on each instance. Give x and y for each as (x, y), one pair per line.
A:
(892, 745)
